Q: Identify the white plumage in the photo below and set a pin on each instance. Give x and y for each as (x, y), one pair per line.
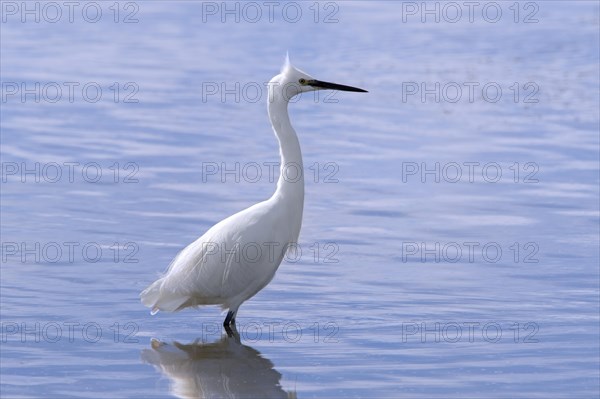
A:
(239, 256)
(215, 270)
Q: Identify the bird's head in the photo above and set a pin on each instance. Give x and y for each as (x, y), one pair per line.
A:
(292, 81)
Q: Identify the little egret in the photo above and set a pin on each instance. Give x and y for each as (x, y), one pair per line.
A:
(214, 269)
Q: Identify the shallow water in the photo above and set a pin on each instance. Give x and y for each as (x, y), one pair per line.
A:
(449, 248)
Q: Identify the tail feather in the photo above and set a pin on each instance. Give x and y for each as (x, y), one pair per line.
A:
(157, 297)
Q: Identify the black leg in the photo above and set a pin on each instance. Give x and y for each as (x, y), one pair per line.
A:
(230, 319)
(232, 332)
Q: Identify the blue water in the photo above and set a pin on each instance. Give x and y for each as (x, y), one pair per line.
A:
(449, 242)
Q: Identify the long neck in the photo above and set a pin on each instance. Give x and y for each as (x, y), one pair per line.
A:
(291, 176)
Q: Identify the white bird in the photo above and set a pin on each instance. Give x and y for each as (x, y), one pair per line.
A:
(239, 256)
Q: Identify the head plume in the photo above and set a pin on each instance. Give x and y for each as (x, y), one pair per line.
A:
(286, 64)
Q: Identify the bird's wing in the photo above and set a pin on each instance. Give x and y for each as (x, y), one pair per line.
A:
(237, 256)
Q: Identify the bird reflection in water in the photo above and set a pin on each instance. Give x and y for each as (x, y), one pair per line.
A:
(222, 369)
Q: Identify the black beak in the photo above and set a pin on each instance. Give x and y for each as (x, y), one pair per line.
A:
(333, 86)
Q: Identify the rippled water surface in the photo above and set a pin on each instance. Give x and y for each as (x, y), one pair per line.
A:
(450, 239)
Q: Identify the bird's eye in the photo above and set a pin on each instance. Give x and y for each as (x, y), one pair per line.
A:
(302, 81)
